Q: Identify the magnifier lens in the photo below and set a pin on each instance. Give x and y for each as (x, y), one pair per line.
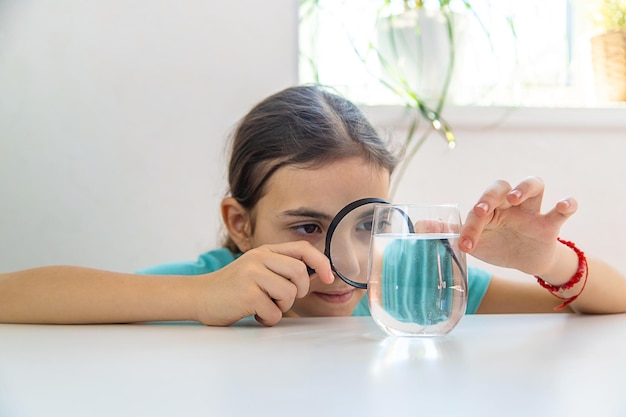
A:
(348, 248)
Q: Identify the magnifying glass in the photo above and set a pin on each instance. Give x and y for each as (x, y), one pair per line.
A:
(347, 244)
(348, 241)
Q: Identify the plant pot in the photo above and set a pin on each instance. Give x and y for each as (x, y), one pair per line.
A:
(608, 55)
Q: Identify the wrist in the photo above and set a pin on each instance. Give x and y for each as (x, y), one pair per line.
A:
(572, 288)
(565, 265)
(193, 302)
(174, 298)
(208, 303)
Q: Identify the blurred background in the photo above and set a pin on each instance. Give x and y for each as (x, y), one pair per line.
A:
(114, 119)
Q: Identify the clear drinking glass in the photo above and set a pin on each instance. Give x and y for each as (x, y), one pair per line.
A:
(417, 276)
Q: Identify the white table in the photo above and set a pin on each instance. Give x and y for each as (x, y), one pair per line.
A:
(508, 365)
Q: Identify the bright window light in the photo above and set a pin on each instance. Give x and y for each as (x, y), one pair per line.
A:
(534, 53)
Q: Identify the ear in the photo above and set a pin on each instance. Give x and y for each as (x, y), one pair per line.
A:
(237, 222)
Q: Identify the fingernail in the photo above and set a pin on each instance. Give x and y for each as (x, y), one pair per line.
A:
(468, 244)
(516, 193)
(483, 206)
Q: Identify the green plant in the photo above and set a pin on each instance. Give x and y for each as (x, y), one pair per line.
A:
(611, 15)
(421, 109)
(417, 105)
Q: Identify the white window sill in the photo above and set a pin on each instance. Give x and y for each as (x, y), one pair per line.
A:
(592, 118)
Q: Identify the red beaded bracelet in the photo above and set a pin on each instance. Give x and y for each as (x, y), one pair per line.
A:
(582, 270)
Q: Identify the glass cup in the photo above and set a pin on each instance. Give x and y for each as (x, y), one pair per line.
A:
(417, 276)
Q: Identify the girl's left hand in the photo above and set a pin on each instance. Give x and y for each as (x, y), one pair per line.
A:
(506, 227)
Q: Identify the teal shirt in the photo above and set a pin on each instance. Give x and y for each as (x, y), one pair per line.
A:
(477, 279)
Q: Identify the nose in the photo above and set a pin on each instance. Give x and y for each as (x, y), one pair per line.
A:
(349, 256)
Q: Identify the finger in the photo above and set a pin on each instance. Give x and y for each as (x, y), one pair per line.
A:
(495, 196)
(310, 256)
(273, 296)
(268, 302)
(528, 194)
(434, 226)
(471, 231)
(293, 275)
(280, 291)
(268, 313)
(276, 273)
(562, 211)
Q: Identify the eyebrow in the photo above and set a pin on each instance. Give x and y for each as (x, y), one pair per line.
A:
(306, 212)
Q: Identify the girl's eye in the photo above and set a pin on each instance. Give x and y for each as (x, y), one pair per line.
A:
(365, 226)
(382, 226)
(308, 229)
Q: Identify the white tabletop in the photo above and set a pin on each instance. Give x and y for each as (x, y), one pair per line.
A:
(507, 365)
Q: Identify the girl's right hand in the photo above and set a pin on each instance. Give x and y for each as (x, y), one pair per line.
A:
(263, 282)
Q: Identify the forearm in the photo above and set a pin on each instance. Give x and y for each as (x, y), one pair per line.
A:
(604, 291)
(80, 295)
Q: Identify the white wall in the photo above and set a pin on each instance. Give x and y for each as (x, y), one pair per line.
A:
(113, 119)
(114, 115)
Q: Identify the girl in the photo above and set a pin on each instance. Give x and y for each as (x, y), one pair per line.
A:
(297, 158)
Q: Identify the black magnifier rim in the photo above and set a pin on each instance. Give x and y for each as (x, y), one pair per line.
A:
(331, 230)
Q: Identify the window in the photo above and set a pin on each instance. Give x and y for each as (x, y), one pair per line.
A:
(534, 53)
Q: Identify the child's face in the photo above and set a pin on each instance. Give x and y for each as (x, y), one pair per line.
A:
(299, 204)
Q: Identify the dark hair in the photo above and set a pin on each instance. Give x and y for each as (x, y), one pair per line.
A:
(303, 125)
